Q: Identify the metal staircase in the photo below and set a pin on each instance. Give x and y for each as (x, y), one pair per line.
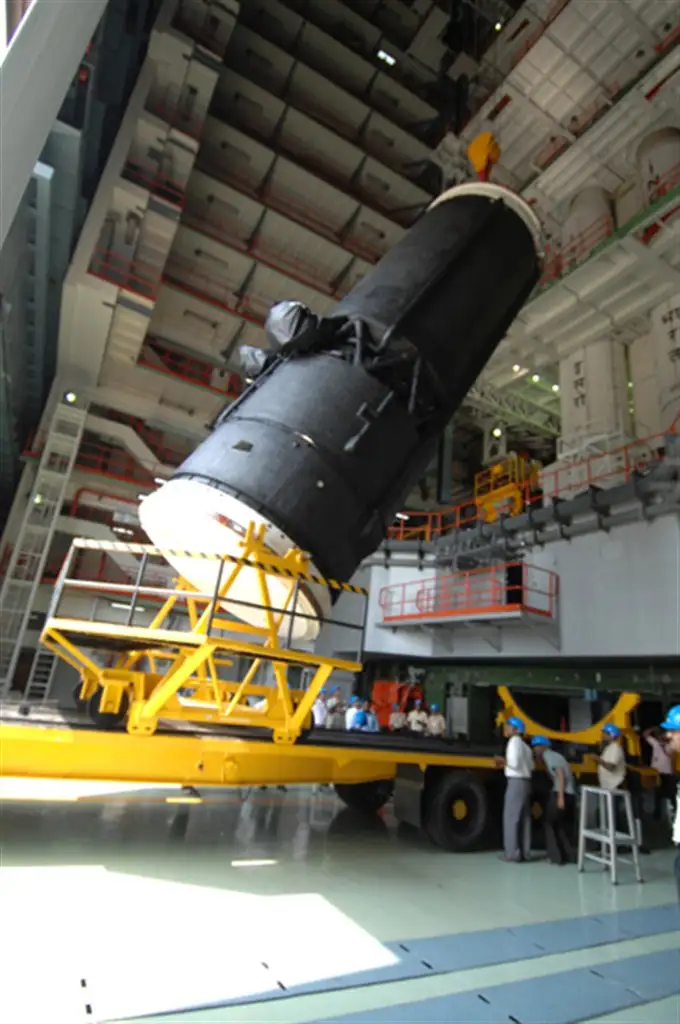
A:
(30, 551)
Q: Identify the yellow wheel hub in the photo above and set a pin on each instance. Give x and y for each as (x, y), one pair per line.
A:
(459, 810)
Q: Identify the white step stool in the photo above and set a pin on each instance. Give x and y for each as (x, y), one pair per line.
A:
(606, 834)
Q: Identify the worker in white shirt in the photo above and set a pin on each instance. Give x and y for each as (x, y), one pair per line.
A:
(436, 723)
(353, 710)
(662, 761)
(671, 726)
(559, 814)
(611, 764)
(397, 719)
(417, 718)
(336, 710)
(518, 765)
(320, 711)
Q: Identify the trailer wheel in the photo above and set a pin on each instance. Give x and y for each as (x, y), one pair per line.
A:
(81, 705)
(456, 813)
(107, 719)
(368, 797)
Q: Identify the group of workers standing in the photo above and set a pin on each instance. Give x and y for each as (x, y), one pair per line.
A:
(612, 769)
(331, 712)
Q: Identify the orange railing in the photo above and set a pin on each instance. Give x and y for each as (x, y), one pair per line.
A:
(162, 186)
(494, 590)
(125, 272)
(292, 205)
(204, 216)
(219, 291)
(579, 248)
(155, 356)
(101, 459)
(603, 469)
(171, 103)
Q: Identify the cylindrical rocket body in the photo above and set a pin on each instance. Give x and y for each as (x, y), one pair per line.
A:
(327, 443)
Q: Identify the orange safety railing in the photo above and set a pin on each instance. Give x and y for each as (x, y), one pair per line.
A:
(155, 356)
(78, 506)
(183, 274)
(232, 232)
(173, 104)
(291, 204)
(602, 469)
(579, 248)
(319, 161)
(162, 186)
(494, 590)
(132, 274)
(101, 459)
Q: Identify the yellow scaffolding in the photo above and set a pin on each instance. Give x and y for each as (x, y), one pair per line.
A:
(193, 657)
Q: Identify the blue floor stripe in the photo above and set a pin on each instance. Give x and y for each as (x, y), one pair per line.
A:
(565, 998)
(442, 954)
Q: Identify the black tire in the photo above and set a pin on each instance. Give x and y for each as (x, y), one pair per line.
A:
(367, 797)
(106, 719)
(456, 812)
(81, 705)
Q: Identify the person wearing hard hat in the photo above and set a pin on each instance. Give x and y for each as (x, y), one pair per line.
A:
(671, 726)
(518, 765)
(397, 719)
(320, 711)
(611, 764)
(336, 710)
(353, 710)
(417, 718)
(559, 814)
(436, 723)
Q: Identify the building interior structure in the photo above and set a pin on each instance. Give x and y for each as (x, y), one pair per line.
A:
(172, 171)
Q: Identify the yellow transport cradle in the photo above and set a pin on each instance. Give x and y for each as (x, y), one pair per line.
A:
(182, 696)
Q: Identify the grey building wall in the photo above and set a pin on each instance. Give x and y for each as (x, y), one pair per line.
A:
(619, 596)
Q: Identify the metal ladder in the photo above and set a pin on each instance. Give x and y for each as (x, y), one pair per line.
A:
(32, 546)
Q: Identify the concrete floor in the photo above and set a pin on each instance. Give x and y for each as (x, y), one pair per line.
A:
(121, 896)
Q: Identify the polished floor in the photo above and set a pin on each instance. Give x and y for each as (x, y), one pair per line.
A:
(134, 903)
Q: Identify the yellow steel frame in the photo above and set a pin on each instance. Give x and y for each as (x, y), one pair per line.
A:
(195, 655)
(620, 715)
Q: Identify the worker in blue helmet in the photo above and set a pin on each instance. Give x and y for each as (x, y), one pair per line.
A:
(436, 723)
(611, 764)
(671, 726)
(518, 765)
(353, 709)
(559, 813)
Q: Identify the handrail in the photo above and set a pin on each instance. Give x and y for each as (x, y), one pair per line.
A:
(265, 251)
(187, 368)
(617, 465)
(291, 204)
(162, 186)
(490, 589)
(126, 272)
(169, 104)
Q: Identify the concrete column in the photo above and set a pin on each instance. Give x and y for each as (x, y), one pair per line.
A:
(594, 399)
(665, 320)
(35, 72)
(644, 378)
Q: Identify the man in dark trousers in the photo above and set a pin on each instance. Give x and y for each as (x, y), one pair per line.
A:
(559, 814)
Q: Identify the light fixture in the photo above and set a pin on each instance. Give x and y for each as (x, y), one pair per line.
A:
(121, 607)
(401, 515)
(556, 388)
(516, 368)
(70, 397)
(386, 57)
(323, 450)
(256, 863)
(498, 26)
(123, 530)
(38, 499)
(497, 432)
(535, 378)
